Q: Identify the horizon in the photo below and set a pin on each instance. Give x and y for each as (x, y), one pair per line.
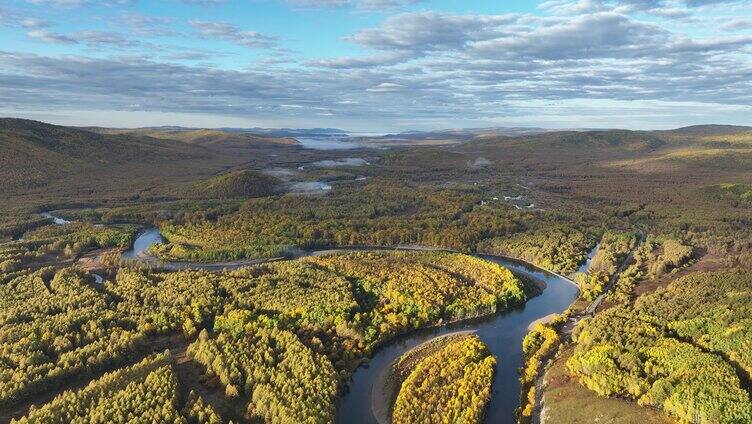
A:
(348, 132)
(380, 66)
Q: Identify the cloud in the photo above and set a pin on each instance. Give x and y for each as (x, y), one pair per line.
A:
(600, 35)
(388, 58)
(203, 2)
(80, 3)
(409, 68)
(587, 36)
(359, 4)
(51, 37)
(319, 3)
(63, 3)
(738, 25)
(386, 87)
(104, 38)
(33, 23)
(231, 33)
(146, 25)
(697, 3)
(429, 31)
(381, 4)
(663, 8)
(569, 7)
(89, 38)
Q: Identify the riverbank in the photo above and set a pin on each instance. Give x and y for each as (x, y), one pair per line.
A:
(563, 293)
(565, 331)
(502, 332)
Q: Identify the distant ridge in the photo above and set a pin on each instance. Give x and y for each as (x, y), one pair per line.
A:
(34, 153)
(203, 137)
(291, 132)
(712, 129)
(269, 132)
(34, 137)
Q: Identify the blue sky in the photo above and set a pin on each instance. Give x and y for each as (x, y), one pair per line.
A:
(377, 65)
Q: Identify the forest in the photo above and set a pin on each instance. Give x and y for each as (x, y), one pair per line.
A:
(675, 349)
(381, 212)
(281, 336)
(612, 251)
(279, 341)
(145, 392)
(556, 248)
(452, 384)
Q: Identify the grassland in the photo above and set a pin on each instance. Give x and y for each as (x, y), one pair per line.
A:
(567, 401)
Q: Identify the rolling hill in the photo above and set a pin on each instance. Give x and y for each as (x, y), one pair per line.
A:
(33, 153)
(238, 184)
(214, 138)
(43, 163)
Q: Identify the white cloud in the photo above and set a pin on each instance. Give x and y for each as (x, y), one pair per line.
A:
(80, 3)
(359, 4)
(50, 37)
(417, 67)
(738, 25)
(386, 87)
(231, 33)
(33, 23)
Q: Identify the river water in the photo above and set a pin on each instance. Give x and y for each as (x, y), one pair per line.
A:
(55, 219)
(502, 333)
(143, 241)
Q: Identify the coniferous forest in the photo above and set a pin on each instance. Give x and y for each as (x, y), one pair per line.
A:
(257, 299)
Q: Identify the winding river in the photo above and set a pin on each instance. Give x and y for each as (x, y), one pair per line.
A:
(502, 333)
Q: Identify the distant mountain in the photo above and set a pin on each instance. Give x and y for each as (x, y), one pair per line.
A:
(466, 134)
(712, 130)
(32, 152)
(45, 140)
(269, 132)
(218, 138)
(292, 132)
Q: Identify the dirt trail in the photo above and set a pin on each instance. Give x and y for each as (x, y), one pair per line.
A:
(568, 328)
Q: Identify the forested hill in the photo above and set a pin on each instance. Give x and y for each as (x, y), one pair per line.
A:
(28, 142)
(32, 153)
(204, 137)
(44, 164)
(712, 129)
(700, 147)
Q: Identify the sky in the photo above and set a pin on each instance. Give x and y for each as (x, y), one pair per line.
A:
(377, 65)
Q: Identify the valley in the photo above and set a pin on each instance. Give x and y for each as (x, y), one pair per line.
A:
(191, 267)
